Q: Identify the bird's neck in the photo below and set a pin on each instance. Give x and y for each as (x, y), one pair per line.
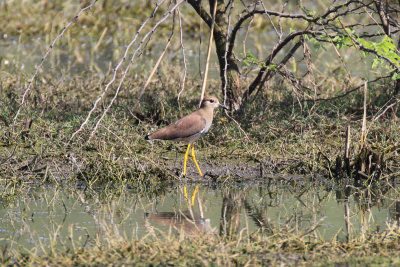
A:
(208, 112)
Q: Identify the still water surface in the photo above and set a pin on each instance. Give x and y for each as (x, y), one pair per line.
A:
(56, 216)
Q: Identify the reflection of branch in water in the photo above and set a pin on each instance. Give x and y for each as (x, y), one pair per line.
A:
(365, 197)
(258, 218)
(347, 220)
(370, 196)
(394, 211)
(230, 213)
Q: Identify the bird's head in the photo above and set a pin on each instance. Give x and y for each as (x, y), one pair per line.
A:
(210, 102)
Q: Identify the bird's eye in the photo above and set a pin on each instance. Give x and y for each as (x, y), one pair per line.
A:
(211, 101)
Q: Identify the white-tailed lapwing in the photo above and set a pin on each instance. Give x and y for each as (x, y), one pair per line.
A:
(190, 128)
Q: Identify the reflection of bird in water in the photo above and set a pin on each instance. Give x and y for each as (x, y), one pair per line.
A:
(190, 222)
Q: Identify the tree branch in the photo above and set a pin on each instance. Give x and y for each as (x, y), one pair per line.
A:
(238, 25)
(275, 51)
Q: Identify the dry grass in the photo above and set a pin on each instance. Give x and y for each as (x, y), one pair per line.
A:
(282, 247)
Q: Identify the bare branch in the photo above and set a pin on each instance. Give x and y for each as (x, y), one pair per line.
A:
(377, 116)
(38, 67)
(156, 65)
(183, 54)
(196, 4)
(225, 82)
(238, 25)
(116, 70)
(272, 23)
(146, 37)
(259, 81)
(347, 92)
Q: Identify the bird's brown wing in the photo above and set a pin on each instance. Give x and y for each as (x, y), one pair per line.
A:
(187, 126)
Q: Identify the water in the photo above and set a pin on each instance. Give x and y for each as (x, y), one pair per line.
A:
(67, 61)
(71, 217)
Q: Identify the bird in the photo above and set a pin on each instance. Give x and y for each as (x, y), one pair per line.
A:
(189, 128)
(189, 221)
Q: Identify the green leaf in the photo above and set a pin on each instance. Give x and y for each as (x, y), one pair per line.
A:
(396, 76)
(251, 56)
(317, 46)
(375, 63)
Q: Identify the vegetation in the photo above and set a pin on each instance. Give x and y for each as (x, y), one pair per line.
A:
(258, 249)
(301, 108)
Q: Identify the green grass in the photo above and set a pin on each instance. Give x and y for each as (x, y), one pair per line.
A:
(284, 138)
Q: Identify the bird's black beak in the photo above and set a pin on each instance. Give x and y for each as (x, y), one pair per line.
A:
(223, 106)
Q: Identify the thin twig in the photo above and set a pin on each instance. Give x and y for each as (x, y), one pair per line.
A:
(364, 120)
(156, 65)
(226, 50)
(146, 37)
(237, 123)
(280, 20)
(347, 92)
(226, 66)
(386, 109)
(272, 23)
(116, 70)
(245, 37)
(338, 53)
(183, 54)
(38, 67)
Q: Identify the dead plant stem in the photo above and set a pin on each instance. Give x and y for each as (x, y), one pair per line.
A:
(203, 87)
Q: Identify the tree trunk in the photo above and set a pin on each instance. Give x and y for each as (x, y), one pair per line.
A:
(233, 84)
(397, 83)
(233, 88)
(382, 12)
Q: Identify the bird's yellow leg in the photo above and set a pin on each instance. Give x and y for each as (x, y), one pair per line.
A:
(195, 162)
(185, 193)
(194, 194)
(196, 189)
(185, 160)
(193, 197)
